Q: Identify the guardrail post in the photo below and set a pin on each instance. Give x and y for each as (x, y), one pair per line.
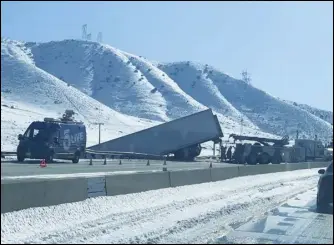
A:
(148, 163)
(90, 161)
(105, 160)
(210, 166)
(120, 162)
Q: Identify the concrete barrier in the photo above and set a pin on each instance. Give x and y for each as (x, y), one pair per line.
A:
(138, 182)
(218, 174)
(189, 177)
(22, 194)
(259, 169)
(318, 164)
(17, 195)
(295, 166)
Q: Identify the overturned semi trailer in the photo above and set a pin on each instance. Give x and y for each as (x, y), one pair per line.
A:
(181, 137)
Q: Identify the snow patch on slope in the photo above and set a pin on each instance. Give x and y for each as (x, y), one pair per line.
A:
(29, 93)
(268, 113)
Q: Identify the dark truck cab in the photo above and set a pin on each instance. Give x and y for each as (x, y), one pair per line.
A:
(53, 139)
(325, 188)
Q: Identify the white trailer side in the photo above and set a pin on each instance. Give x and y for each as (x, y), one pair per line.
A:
(168, 137)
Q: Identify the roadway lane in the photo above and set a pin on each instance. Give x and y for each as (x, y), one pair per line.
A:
(294, 222)
(31, 167)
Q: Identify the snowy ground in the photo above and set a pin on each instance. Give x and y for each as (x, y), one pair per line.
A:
(294, 222)
(188, 214)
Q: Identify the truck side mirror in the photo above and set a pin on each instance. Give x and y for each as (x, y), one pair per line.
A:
(321, 171)
(20, 137)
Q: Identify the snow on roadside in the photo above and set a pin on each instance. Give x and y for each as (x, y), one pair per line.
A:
(185, 214)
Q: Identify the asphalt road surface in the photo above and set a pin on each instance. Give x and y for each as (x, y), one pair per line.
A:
(32, 167)
(294, 222)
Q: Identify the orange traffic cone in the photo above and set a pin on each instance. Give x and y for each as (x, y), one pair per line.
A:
(42, 163)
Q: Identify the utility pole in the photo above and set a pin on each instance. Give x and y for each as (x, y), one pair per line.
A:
(84, 32)
(99, 130)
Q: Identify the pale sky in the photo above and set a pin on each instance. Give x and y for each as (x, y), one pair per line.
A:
(287, 47)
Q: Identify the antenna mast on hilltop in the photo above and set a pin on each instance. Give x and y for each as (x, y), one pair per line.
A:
(84, 32)
(99, 37)
(245, 77)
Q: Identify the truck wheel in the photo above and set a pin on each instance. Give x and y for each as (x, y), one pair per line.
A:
(276, 160)
(49, 158)
(76, 158)
(20, 157)
(242, 160)
(264, 158)
(252, 159)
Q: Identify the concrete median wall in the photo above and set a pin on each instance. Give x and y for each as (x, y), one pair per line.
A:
(18, 194)
(260, 169)
(218, 174)
(133, 183)
(318, 164)
(189, 177)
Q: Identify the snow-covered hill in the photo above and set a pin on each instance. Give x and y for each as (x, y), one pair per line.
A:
(270, 114)
(129, 93)
(322, 114)
(127, 83)
(29, 93)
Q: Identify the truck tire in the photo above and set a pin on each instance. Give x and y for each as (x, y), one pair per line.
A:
(276, 160)
(264, 158)
(76, 157)
(252, 158)
(20, 157)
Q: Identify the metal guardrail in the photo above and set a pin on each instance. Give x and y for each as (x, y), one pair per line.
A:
(117, 154)
(8, 153)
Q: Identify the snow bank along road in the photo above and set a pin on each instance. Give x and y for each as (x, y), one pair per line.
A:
(190, 214)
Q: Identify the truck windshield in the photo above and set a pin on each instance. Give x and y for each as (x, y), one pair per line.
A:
(41, 131)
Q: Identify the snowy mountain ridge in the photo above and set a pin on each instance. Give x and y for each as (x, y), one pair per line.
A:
(129, 93)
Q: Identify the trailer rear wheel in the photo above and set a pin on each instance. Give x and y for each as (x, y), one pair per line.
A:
(76, 157)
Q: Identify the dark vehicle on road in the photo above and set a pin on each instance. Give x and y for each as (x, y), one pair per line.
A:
(61, 138)
(325, 188)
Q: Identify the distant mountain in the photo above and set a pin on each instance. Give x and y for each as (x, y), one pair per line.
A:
(323, 114)
(129, 92)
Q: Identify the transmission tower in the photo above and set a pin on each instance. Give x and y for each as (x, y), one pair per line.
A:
(89, 36)
(245, 77)
(99, 37)
(84, 32)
